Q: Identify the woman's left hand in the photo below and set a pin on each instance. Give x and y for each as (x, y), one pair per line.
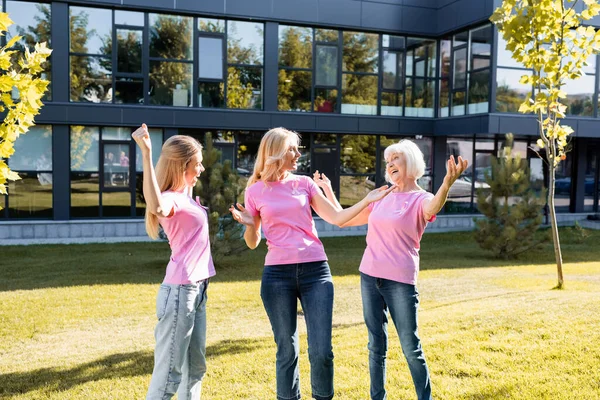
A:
(454, 170)
(321, 180)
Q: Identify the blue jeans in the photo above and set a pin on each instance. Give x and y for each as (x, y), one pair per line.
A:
(180, 353)
(402, 300)
(281, 286)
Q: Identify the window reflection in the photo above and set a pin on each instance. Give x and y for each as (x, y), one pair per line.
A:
(460, 194)
(359, 94)
(245, 42)
(358, 154)
(509, 92)
(170, 83)
(294, 90)
(171, 37)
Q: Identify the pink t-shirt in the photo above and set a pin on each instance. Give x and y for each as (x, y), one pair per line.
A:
(287, 223)
(396, 224)
(187, 230)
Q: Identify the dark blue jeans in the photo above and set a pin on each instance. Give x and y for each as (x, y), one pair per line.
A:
(402, 300)
(282, 286)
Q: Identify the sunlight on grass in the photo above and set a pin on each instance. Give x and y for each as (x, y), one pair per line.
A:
(76, 322)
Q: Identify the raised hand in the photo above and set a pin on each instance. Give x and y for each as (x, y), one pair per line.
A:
(242, 215)
(378, 194)
(142, 138)
(321, 180)
(454, 170)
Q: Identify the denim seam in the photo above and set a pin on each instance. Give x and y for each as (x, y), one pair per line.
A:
(173, 334)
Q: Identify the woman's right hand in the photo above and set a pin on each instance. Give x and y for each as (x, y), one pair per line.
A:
(242, 215)
(142, 138)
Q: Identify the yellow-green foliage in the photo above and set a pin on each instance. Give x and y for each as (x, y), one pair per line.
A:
(546, 36)
(21, 77)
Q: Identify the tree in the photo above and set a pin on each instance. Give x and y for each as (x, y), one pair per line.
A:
(510, 205)
(21, 91)
(546, 37)
(219, 188)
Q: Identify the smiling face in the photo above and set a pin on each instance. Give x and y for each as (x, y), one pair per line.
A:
(396, 167)
(193, 169)
(290, 159)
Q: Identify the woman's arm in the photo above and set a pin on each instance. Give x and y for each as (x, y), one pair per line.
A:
(434, 206)
(329, 213)
(251, 223)
(156, 203)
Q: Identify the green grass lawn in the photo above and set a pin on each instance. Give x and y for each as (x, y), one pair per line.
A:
(76, 322)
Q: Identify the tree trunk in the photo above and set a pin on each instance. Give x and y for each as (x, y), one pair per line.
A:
(554, 226)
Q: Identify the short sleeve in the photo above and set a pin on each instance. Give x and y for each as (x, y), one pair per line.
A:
(426, 196)
(174, 197)
(250, 203)
(312, 187)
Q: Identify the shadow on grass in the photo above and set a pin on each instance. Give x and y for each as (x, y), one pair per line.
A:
(115, 366)
(47, 266)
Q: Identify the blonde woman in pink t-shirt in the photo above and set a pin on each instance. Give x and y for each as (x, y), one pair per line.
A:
(296, 266)
(179, 356)
(390, 264)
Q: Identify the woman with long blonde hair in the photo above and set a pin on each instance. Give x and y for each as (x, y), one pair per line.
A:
(296, 266)
(179, 356)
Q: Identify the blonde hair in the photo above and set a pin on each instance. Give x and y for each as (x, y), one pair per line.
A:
(271, 151)
(415, 161)
(176, 153)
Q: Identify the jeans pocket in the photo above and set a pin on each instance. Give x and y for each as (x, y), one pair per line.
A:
(162, 300)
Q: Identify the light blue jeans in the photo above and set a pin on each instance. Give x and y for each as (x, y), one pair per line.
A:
(282, 286)
(180, 353)
(402, 300)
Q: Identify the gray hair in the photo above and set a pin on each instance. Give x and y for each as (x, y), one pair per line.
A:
(415, 161)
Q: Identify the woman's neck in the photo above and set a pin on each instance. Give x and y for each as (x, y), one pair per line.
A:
(404, 186)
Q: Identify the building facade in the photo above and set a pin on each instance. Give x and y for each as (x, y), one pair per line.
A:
(351, 76)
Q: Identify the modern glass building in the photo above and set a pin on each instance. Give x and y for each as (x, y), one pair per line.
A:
(351, 76)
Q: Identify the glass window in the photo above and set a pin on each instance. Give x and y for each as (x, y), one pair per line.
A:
(326, 35)
(590, 177)
(129, 18)
(479, 91)
(580, 96)
(445, 56)
(421, 57)
(294, 90)
(248, 143)
(504, 57)
(325, 100)
(393, 42)
(295, 46)
(116, 164)
(244, 87)
(210, 63)
(211, 94)
(354, 188)
(91, 30)
(33, 150)
(460, 69)
(358, 154)
(419, 98)
(458, 103)
(461, 38)
(392, 70)
(85, 151)
(85, 194)
(170, 83)
(459, 196)
(91, 79)
(211, 25)
(359, 94)
(171, 37)
(391, 103)
(245, 42)
(129, 51)
(31, 196)
(32, 21)
(327, 66)
(361, 52)
(129, 90)
(116, 133)
(444, 98)
(562, 199)
(156, 136)
(481, 47)
(509, 92)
